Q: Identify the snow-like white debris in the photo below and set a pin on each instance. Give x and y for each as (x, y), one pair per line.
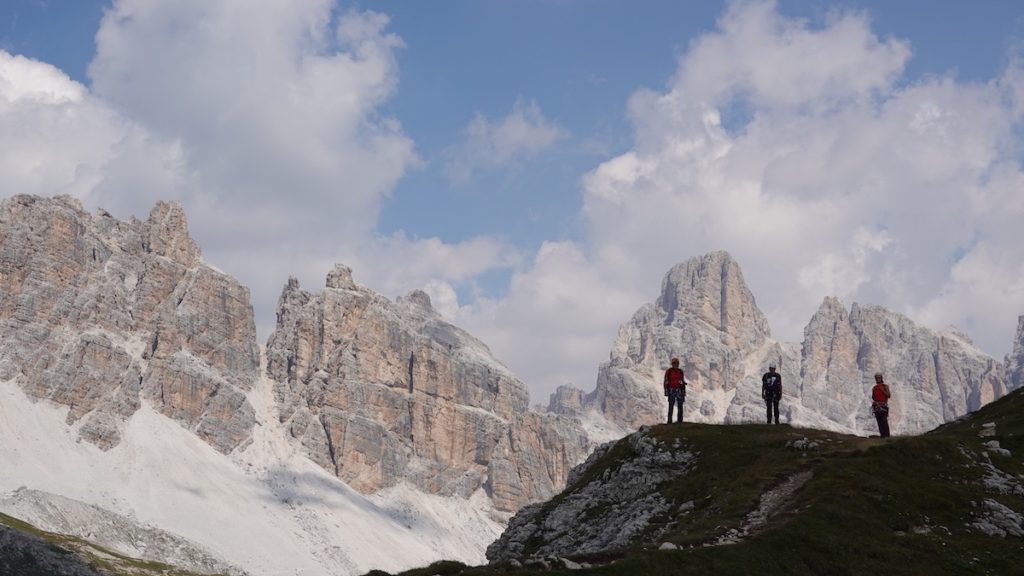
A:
(266, 508)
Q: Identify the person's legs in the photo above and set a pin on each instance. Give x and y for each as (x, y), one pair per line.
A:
(775, 408)
(671, 406)
(883, 425)
(680, 399)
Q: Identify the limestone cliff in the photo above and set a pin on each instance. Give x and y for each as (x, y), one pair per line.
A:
(97, 313)
(1015, 361)
(934, 376)
(707, 317)
(379, 392)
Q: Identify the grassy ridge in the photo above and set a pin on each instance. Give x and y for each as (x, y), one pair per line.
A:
(79, 556)
(903, 506)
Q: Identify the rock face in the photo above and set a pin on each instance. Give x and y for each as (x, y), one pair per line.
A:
(381, 392)
(607, 511)
(935, 377)
(708, 318)
(566, 400)
(1015, 361)
(97, 314)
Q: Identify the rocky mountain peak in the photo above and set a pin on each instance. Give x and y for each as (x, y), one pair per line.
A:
(340, 278)
(711, 289)
(1015, 361)
(167, 234)
(98, 315)
(418, 299)
(706, 316)
(382, 392)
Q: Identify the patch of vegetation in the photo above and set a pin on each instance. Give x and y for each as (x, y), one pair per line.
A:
(902, 506)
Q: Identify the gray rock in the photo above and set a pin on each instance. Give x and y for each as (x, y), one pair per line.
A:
(381, 392)
(708, 318)
(999, 521)
(97, 314)
(1015, 361)
(608, 512)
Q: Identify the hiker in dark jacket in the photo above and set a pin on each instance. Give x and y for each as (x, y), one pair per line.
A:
(675, 389)
(880, 395)
(771, 392)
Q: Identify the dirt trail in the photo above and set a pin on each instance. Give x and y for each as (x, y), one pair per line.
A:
(770, 503)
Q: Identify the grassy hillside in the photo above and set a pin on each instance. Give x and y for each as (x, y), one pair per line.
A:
(27, 551)
(930, 504)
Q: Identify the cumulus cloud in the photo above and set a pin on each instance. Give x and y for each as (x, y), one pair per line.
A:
(798, 146)
(263, 120)
(57, 138)
(488, 144)
(802, 149)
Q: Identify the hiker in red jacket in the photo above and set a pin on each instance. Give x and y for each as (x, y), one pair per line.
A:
(880, 404)
(675, 389)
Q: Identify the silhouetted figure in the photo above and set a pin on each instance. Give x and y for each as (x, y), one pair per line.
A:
(771, 392)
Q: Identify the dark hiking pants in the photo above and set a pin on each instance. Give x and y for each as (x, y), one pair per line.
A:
(771, 403)
(675, 396)
(883, 423)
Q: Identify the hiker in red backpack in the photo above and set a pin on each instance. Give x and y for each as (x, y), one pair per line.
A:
(880, 404)
(771, 391)
(675, 389)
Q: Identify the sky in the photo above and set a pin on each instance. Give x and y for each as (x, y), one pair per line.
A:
(537, 166)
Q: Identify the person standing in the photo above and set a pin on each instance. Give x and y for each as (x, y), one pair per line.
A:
(675, 389)
(880, 395)
(771, 392)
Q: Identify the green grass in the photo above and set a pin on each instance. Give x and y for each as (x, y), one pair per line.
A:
(897, 507)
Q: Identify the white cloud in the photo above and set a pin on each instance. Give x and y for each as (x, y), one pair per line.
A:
(262, 119)
(797, 146)
(557, 322)
(57, 138)
(487, 144)
(837, 180)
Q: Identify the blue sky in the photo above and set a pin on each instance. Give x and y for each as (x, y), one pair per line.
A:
(537, 166)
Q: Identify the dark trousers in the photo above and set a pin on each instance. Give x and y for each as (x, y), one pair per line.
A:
(675, 396)
(883, 423)
(772, 403)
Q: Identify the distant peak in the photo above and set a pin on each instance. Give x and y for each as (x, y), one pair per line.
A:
(419, 298)
(340, 277)
(168, 233)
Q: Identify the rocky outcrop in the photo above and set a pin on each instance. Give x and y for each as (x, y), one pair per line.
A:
(1015, 361)
(566, 400)
(98, 314)
(935, 377)
(708, 318)
(380, 392)
(607, 511)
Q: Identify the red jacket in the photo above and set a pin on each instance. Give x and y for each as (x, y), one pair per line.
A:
(674, 378)
(880, 393)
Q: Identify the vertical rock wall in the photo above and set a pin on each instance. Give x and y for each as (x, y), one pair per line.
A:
(381, 392)
(97, 314)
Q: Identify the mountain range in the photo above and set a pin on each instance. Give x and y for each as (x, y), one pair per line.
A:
(366, 433)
